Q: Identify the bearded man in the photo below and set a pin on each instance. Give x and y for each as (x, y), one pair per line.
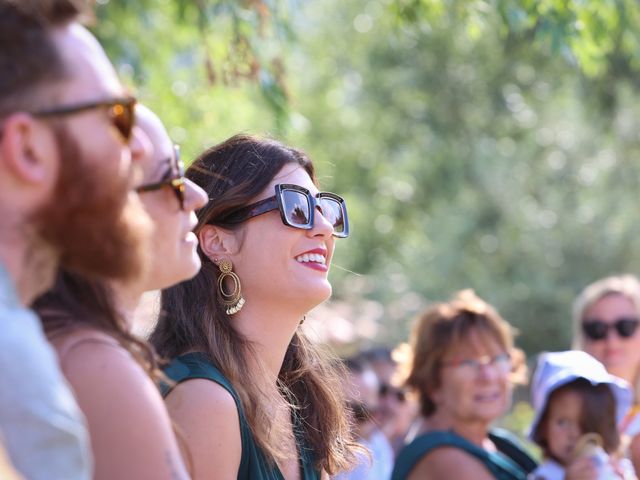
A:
(68, 160)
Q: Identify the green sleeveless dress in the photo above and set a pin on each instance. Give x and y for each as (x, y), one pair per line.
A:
(253, 463)
(510, 462)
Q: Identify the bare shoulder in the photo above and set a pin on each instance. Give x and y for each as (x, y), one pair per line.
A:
(95, 360)
(123, 408)
(207, 418)
(201, 403)
(449, 462)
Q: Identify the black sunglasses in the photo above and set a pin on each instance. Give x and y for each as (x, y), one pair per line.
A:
(595, 329)
(121, 113)
(297, 208)
(177, 183)
(386, 389)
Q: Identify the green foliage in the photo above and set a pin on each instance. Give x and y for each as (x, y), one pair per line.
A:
(484, 144)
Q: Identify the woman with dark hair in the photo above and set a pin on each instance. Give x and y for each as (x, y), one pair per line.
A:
(89, 324)
(463, 368)
(252, 396)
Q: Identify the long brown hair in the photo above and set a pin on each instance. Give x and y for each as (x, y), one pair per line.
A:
(74, 302)
(233, 173)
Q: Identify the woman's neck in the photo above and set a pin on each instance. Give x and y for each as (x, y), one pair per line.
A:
(127, 298)
(270, 328)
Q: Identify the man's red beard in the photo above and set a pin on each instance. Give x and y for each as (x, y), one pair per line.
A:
(97, 224)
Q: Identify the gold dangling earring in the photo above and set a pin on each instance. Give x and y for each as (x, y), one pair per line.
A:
(233, 300)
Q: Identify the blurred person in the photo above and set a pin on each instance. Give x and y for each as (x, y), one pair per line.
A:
(362, 387)
(396, 410)
(252, 395)
(89, 323)
(574, 400)
(606, 316)
(463, 368)
(68, 148)
(7, 472)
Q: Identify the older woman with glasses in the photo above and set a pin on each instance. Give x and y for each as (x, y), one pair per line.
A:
(606, 316)
(252, 395)
(463, 368)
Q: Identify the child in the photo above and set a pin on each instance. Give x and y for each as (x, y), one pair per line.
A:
(573, 395)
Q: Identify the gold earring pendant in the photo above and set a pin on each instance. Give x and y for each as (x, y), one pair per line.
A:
(233, 300)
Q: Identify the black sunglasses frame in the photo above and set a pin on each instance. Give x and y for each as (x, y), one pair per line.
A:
(277, 203)
(118, 108)
(177, 184)
(386, 390)
(597, 330)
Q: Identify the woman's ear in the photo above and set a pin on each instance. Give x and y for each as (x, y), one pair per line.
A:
(216, 242)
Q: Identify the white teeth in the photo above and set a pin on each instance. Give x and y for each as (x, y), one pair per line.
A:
(311, 257)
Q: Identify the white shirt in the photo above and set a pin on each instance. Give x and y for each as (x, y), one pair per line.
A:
(42, 427)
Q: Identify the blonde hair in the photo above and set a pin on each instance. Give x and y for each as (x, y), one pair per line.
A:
(444, 326)
(626, 285)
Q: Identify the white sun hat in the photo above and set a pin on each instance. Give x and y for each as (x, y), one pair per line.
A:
(555, 369)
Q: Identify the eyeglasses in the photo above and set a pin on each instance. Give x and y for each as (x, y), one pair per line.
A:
(502, 362)
(121, 112)
(596, 330)
(297, 208)
(388, 390)
(177, 183)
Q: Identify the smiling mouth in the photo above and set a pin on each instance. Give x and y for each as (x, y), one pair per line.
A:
(311, 258)
(487, 397)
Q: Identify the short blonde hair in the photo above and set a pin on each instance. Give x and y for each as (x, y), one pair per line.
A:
(443, 327)
(626, 285)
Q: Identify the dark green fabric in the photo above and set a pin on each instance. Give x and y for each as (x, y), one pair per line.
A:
(511, 462)
(253, 463)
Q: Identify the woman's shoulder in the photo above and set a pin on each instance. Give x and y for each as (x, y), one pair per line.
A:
(94, 360)
(443, 461)
(208, 416)
(428, 450)
(434, 450)
(199, 389)
(84, 341)
(117, 396)
(193, 366)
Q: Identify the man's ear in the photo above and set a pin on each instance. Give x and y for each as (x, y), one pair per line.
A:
(28, 150)
(217, 242)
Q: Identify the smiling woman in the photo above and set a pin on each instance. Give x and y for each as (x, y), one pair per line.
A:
(463, 367)
(243, 371)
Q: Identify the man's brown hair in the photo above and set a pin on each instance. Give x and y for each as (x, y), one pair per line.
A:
(29, 58)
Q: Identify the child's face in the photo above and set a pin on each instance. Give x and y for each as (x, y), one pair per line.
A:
(562, 428)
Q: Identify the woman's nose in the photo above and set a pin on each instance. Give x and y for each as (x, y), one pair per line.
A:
(321, 226)
(195, 197)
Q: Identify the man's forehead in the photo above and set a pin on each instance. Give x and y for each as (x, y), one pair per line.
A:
(92, 75)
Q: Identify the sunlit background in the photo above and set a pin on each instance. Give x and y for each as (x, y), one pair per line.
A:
(491, 145)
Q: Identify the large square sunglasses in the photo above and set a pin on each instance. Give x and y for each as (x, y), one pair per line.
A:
(176, 182)
(297, 208)
(121, 113)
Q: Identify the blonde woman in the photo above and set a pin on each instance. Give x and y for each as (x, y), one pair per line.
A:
(606, 316)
